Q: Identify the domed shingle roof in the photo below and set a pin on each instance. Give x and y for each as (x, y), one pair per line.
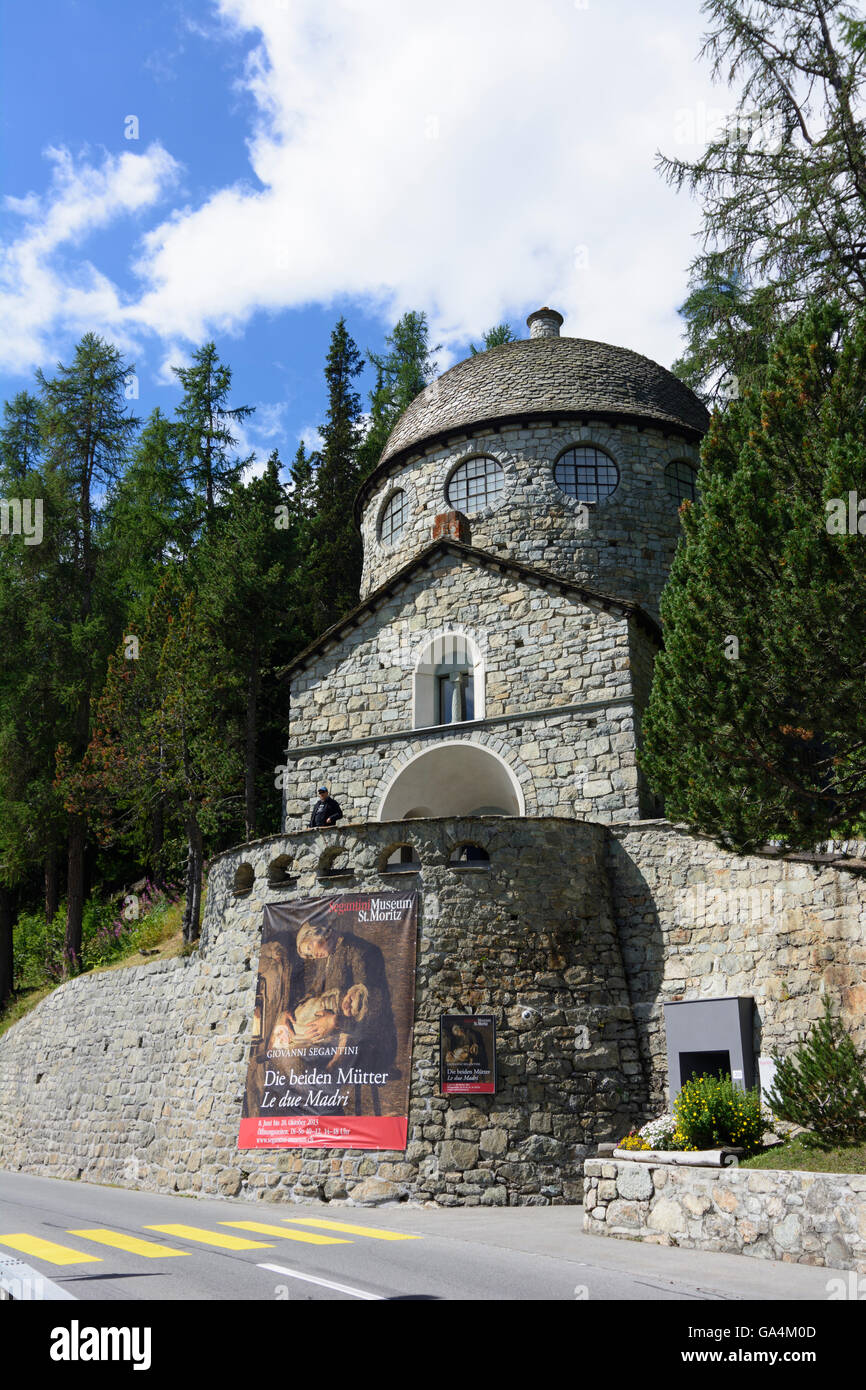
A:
(544, 376)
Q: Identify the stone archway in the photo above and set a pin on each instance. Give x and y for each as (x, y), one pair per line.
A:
(453, 778)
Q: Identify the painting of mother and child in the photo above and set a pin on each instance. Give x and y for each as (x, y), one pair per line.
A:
(332, 1027)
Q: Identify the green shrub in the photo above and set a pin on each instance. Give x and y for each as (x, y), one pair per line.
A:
(821, 1085)
(711, 1114)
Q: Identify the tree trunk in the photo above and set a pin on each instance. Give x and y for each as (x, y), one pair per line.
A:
(194, 864)
(74, 894)
(8, 913)
(52, 884)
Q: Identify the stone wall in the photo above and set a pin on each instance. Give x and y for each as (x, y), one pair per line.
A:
(697, 922)
(135, 1076)
(800, 1218)
(352, 711)
(624, 547)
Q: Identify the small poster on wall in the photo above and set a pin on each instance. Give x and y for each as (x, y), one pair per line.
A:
(467, 1054)
(330, 1055)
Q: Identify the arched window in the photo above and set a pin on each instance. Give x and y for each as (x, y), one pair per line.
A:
(393, 518)
(681, 480)
(244, 879)
(586, 473)
(475, 484)
(402, 860)
(449, 682)
(469, 853)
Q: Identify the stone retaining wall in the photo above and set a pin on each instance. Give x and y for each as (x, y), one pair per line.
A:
(697, 922)
(771, 1214)
(135, 1076)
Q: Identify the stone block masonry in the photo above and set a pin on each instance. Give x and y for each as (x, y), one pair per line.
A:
(800, 1218)
(622, 545)
(697, 922)
(135, 1076)
(561, 683)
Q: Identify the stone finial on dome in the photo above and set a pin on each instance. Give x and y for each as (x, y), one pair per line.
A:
(544, 323)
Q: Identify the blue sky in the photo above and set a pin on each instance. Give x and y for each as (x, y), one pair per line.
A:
(297, 160)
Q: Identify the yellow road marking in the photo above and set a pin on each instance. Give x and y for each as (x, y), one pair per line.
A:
(352, 1230)
(47, 1250)
(263, 1229)
(211, 1237)
(118, 1241)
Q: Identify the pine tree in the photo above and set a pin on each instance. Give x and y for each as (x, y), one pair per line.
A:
(494, 337)
(244, 571)
(754, 730)
(402, 373)
(147, 514)
(204, 429)
(821, 1084)
(20, 440)
(333, 566)
(160, 741)
(783, 184)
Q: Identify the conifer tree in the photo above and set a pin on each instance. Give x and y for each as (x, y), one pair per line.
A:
(244, 572)
(86, 436)
(333, 568)
(496, 336)
(159, 741)
(783, 183)
(755, 727)
(204, 429)
(821, 1083)
(402, 373)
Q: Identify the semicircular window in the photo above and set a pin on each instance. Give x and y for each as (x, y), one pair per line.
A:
(475, 484)
(681, 481)
(395, 514)
(586, 473)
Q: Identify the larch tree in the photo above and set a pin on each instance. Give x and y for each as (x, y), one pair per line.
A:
(86, 436)
(783, 182)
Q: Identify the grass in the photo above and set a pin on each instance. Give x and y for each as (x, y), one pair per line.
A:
(802, 1153)
(165, 938)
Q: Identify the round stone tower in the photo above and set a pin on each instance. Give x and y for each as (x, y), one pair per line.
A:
(565, 454)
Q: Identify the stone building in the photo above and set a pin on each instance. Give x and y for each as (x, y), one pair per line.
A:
(517, 533)
(478, 716)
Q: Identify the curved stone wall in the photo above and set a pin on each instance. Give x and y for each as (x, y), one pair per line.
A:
(135, 1076)
(623, 546)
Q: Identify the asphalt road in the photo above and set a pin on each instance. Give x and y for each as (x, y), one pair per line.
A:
(106, 1243)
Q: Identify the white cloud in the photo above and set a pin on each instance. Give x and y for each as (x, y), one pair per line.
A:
(44, 288)
(473, 160)
(449, 157)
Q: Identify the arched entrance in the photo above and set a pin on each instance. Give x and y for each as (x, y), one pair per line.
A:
(454, 779)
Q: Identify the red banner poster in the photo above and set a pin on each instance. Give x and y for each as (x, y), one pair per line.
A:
(330, 1055)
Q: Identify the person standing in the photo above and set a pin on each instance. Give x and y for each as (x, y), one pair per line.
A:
(326, 810)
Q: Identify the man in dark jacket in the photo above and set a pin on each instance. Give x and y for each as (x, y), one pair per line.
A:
(326, 810)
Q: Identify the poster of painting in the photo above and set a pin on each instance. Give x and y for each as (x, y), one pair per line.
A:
(330, 1055)
(467, 1054)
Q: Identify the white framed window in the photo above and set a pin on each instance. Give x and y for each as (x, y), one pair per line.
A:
(448, 682)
